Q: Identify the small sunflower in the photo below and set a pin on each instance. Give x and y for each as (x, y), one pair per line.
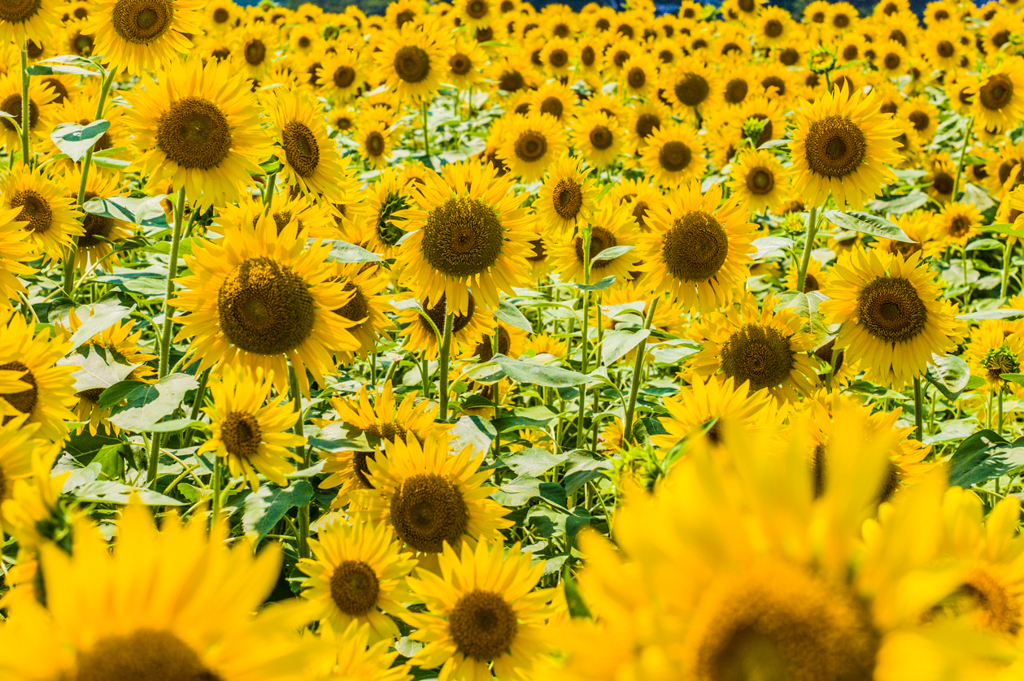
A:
(553, 99)
(892, 314)
(941, 176)
(200, 127)
(692, 87)
(413, 61)
(50, 219)
(467, 327)
(429, 497)
(760, 180)
(637, 77)
(923, 117)
(485, 610)
(999, 96)
(142, 36)
(611, 225)
(43, 111)
(530, 144)
(376, 137)
(20, 21)
(957, 222)
(257, 48)
(840, 146)
(467, 236)
(567, 196)
(261, 299)
(251, 430)
(640, 196)
(673, 155)
(357, 575)
(466, 65)
(697, 250)
(355, 658)
(646, 118)
(511, 343)
(995, 348)
(774, 26)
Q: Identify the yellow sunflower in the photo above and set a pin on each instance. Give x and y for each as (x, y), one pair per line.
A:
(999, 96)
(388, 202)
(429, 497)
(696, 250)
(367, 306)
(16, 250)
(354, 659)
(640, 196)
(376, 137)
(251, 430)
(341, 75)
(511, 343)
(892, 314)
(598, 137)
(200, 127)
(95, 246)
(176, 604)
(50, 219)
(567, 196)
(261, 299)
(995, 348)
(21, 454)
(43, 111)
(483, 610)
(840, 146)
(957, 223)
(612, 225)
(257, 48)
(760, 180)
(673, 155)
(923, 117)
(383, 421)
(941, 176)
(141, 36)
(692, 87)
(20, 21)
(530, 144)
(469, 237)
(467, 328)
(357, 575)
(645, 118)
(413, 60)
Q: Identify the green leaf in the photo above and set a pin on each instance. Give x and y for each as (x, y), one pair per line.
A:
(269, 504)
(96, 370)
(147, 406)
(1004, 228)
(612, 253)
(110, 492)
(510, 314)
(1013, 378)
(983, 456)
(103, 316)
(75, 140)
(517, 492)
(538, 374)
(901, 204)
(65, 63)
(573, 598)
(146, 211)
(866, 223)
(119, 392)
(583, 467)
(773, 144)
(618, 343)
(472, 430)
(599, 286)
(949, 374)
(342, 251)
(997, 313)
(533, 462)
(770, 245)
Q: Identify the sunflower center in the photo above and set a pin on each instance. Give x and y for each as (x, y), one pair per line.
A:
(640, 213)
(91, 395)
(438, 312)
(142, 21)
(539, 252)
(361, 469)
(636, 77)
(943, 183)
(760, 181)
(12, 105)
(483, 625)
(387, 431)
(357, 309)
(35, 209)
(194, 133)
(945, 49)
(428, 510)
(674, 156)
(220, 15)
(959, 225)
(58, 88)
(459, 64)
(646, 124)
(477, 9)
(781, 624)
(412, 64)
(588, 56)
(552, 106)
(354, 587)
(83, 45)
(241, 434)
(600, 137)
(511, 81)
(736, 90)
(695, 247)
(462, 238)
(996, 92)
(891, 310)
(920, 120)
(531, 146)
(789, 56)
(300, 148)
(996, 609)
(97, 227)
(375, 143)
(567, 199)
(692, 89)
(835, 147)
(265, 308)
(558, 58)
(255, 51)
(143, 655)
(485, 348)
(759, 354)
(18, 11)
(600, 239)
(773, 28)
(24, 401)
(774, 82)
(999, 361)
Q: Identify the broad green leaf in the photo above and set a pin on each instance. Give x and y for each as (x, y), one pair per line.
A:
(119, 392)
(103, 316)
(1004, 228)
(269, 504)
(770, 245)
(96, 370)
(773, 144)
(1013, 378)
(866, 223)
(110, 492)
(533, 462)
(147, 406)
(342, 251)
(538, 374)
(618, 343)
(75, 140)
(949, 374)
(997, 313)
(147, 211)
(612, 253)
(899, 205)
(517, 492)
(983, 456)
(599, 286)
(582, 468)
(510, 314)
(472, 430)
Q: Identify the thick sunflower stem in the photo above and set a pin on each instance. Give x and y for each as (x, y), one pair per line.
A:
(1004, 281)
(638, 368)
(999, 407)
(805, 261)
(69, 265)
(584, 353)
(963, 156)
(446, 348)
(197, 405)
(215, 485)
(425, 376)
(302, 454)
(268, 193)
(495, 346)
(918, 410)
(597, 393)
(25, 118)
(426, 136)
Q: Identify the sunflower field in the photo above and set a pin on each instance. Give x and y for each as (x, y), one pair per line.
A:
(476, 341)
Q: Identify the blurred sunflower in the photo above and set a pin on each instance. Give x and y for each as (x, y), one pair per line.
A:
(256, 51)
(760, 180)
(995, 348)
(376, 137)
(941, 176)
(20, 21)
(412, 61)
(355, 659)
(366, 307)
(43, 111)
(892, 314)
(692, 87)
(923, 117)
(466, 65)
(49, 219)
(957, 223)
(16, 250)
(511, 343)
(999, 96)
(140, 36)
(530, 144)
(598, 137)
(567, 196)
(612, 225)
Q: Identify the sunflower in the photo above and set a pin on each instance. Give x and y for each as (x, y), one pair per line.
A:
(467, 328)
(305, 38)
(201, 127)
(511, 343)
(641, 197)
(814, 277)
(16, 250)
(637, 76)
(737, 82)
(703, 408)
(383, 421)
(956, 223)
(892, 314)
(567, 196)
(697, 250)
(355, 659)
(466, 65)
(892, 59)
(941, 177)
(482, 610)
(646, 117)
(50, 219)
(530, 144)
(673, 155)
(841, 145)
(173, 604)
(412, 61)
(20, 21)
(376, 137)
(314, 219)
(759, 345)
(692, 87)
(776, 82)
(611, 225)
(995, 348)
(220, 14)
(922, 115)
(467, 237)
(999, 96)
(357, 575)
(42, 111)
(367, 306)
(773, 26)
(553, 99)
(759, 179)
(257, 48)
(95, 247)
(598, 137)
(942, 48)
(429, 497)
(142, 36)
(258, 298)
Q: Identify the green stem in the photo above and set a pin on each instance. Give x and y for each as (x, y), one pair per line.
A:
(302, 454)
(268, 198)
(495, 346)
(426, 136)
(963, 262)
(446, 348)
(584, 354)
(638, 367)
(1004, 281)
(216, 490)
(963, 156)
(918, 409)
(597, 392)
(999, 403)
(812, 231)
(25, 118)
(197, 404)
(425, 376)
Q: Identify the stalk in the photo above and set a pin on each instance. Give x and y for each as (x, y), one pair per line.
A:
(25, 118)
(963, 156)
(638, 367)
(302, 537)
(918, 409)
(216, 490)
(426, 136)
(999, 406)
(446, 347)
(1004, 281)
(812, 231)
(268, 200)
(495, 346)
(584, 354)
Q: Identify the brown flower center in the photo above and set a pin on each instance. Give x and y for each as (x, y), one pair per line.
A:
(891, 310)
